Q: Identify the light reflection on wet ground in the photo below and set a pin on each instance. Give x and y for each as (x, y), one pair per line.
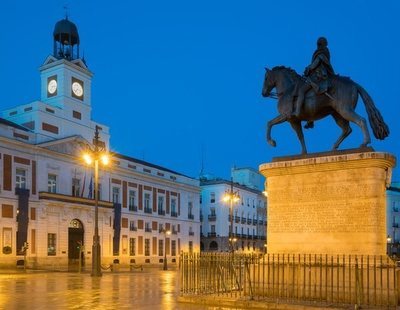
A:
(152, 289)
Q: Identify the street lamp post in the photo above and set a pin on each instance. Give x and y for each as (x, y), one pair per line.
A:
(98, 153)
(232, 197)
(389, 245)
(166, 232)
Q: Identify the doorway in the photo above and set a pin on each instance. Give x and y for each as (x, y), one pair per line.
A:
(75, 242)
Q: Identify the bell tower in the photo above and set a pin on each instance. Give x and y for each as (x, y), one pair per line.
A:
(65, 78)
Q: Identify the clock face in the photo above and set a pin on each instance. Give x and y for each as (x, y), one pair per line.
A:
(77, 89)
(52, 87)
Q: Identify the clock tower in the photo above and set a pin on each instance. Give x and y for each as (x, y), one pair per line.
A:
(65, 106)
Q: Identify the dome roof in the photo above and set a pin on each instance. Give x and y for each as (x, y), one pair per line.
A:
(64, 30)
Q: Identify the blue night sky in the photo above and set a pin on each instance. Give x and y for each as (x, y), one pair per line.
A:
(178, 79)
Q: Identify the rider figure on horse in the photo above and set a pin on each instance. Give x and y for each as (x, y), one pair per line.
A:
(317, 75)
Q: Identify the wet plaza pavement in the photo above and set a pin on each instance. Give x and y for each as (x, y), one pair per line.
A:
(148, 289)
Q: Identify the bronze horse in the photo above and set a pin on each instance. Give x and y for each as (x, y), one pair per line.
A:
(340, 103)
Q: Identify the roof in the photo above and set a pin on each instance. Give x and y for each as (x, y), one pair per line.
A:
(12, 124)
(142, 162)
(222, 181)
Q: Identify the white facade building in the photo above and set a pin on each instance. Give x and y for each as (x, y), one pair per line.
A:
(249, 217)
(393, 218)
(46, 191)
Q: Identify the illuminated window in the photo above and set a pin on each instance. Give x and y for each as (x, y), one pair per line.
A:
(146, 247)
(160, 247)
(51, 244)
(132, 246)
(173, 248)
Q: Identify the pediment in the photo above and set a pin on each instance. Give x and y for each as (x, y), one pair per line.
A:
(74, 145)
(80, 63)
(50, 59)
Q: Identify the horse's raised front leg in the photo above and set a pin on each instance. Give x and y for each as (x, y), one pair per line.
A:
(275, 121)
(296, 125)
(346, 129)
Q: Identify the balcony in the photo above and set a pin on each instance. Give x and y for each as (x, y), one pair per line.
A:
(395, 225)
(255, 222)
(133, 228)
(190, 216)
(133, 208)
(237, 219)
(212, 217)
(212, 234)
(249, 221)
(148, 229)
(260, 222)
(174, 214)
(191, 233)
(243, 221)
(174, 232)
(148, 210)
(161, 212)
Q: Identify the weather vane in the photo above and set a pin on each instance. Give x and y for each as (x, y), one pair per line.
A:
(66, 10)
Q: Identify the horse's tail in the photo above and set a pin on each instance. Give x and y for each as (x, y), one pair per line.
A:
(379, 127)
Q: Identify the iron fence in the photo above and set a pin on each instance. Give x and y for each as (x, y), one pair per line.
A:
(339, 279)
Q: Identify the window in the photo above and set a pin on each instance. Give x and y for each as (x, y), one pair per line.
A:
(147, 227)
(213, 228)
(190, 209)
(52, 183)
(20, 178)
(212, 197)
(191, 247)
(115, 195)
(173, 248)
(160, 247)
(76, 187)
(173, 206)
(51, 244)
(132, 198)
(146, 247)
(132, 226)
(160, 204)
(132, 246)
(146, 201)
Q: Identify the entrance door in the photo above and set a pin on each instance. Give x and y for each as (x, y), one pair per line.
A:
(75, 241)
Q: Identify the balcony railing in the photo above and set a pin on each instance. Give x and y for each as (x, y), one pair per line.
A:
(237, 219)
(395, 209)
(174, 214)
(161, 212)
(212, 217)
(255, 222)
(249, 221)
(133, 228)
(174, 232)
(212, 234)
(148, 229)
(243, 220)
(395, 225)
(191, 233)
(148, 210)
(190, 216)
(133, 208)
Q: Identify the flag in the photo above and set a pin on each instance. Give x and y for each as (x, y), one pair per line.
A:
(90, 188)
(83, 186)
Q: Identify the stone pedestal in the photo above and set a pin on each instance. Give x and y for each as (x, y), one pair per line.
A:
(328, 204)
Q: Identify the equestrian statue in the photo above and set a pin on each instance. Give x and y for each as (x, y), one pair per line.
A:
(317, 94)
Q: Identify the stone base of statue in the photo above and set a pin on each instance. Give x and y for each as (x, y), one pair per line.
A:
(328, 203)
